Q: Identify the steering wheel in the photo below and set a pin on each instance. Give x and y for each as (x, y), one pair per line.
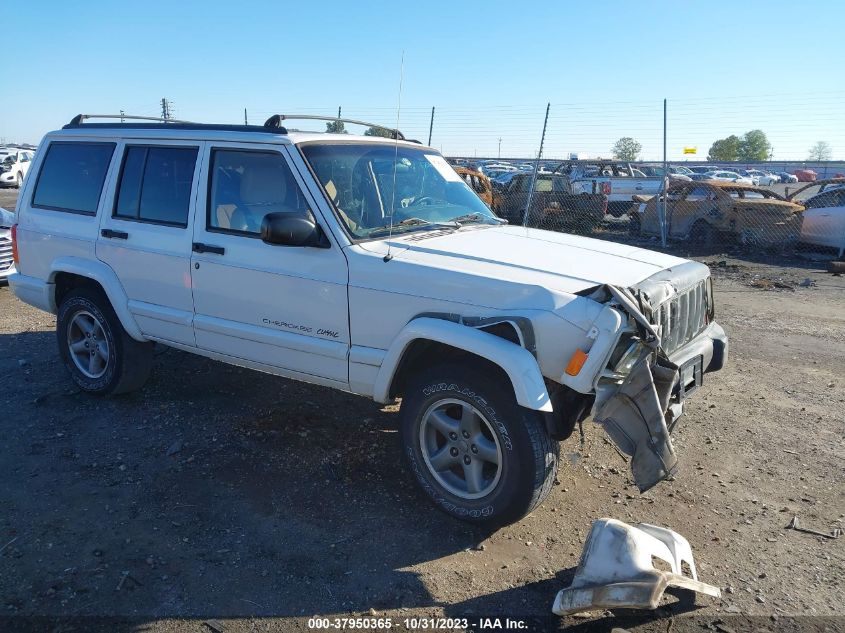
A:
(425, 200)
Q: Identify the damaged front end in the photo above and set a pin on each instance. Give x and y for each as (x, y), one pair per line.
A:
(660, 356)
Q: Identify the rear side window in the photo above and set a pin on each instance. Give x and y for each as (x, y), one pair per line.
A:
(155, 185)
(72, 177)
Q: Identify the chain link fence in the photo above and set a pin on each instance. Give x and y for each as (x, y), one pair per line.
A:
(614, 201)
(637, 173)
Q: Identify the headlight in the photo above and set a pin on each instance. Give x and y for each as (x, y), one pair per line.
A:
(626, 362)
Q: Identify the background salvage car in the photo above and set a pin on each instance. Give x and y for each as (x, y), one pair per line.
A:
(553, 205)
(702, 211)
(618, 180)
(824, 216)
(14, 165)
(480, 184)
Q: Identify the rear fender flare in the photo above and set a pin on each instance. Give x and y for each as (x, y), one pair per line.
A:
(106, 277)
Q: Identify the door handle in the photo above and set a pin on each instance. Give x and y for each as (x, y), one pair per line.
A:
(117, 235)
(199, 247)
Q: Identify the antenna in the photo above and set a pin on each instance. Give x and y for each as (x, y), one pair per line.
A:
(388, 257)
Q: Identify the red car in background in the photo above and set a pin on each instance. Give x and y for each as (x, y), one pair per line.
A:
(805, 175)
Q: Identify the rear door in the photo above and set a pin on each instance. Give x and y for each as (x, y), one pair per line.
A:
(279, 307)
(145, 234)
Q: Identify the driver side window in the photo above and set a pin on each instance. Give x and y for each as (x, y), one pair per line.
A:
(247, 185)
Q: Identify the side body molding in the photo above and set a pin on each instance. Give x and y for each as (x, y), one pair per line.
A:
(106, 277)
(517, 362)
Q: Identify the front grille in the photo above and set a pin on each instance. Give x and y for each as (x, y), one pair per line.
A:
(682, 317)
(5, 253)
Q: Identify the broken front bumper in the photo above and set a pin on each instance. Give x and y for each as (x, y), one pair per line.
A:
(616, 569)
(639, 414)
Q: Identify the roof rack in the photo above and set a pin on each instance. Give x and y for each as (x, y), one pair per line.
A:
(273, 125)
(275, 121)
(157, 123)
(79, 118)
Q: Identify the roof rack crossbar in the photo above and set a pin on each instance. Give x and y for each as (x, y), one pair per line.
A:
(275, 121)
(79, 118)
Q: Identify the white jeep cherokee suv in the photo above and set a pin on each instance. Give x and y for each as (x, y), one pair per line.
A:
(368, 265)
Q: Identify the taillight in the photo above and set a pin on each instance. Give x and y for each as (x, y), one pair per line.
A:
(15, 245)
(605, 188)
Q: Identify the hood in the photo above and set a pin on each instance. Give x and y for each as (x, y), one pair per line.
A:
(557, 261)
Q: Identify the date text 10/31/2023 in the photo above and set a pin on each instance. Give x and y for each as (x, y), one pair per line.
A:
(417, 624)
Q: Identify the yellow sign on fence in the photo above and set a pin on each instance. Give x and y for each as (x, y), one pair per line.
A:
(690, 150)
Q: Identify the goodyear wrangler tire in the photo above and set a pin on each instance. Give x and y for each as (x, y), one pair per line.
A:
(100, 356)
(476, 453)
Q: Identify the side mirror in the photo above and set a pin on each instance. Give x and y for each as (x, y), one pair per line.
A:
(292, 229)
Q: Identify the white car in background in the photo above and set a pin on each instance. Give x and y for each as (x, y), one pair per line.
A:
(764, 178)
(7, 266)
(824, 219)
(730, 176)
(14, 163)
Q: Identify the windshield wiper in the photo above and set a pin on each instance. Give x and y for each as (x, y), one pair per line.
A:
(410, 223)
(477, 217)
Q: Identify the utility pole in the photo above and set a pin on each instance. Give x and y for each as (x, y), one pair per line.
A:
(165, 109)
(665, 183)
(536, 167)
(338, 113)
(245, 119)
(500, 147)
(121, 116)
(431, 126)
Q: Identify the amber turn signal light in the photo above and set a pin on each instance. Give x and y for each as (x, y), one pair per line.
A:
(576, 362)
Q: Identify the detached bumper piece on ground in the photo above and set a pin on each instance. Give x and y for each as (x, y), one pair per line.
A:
(616, 569)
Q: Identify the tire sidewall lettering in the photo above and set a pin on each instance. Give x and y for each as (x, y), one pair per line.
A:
(478, 401)
(69, 309)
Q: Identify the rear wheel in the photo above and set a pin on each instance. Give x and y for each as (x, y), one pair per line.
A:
(100, 356)
(19, 180)
(476, 453)
(702, 233)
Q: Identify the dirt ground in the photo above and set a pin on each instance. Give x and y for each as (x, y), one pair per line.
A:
(218, 498)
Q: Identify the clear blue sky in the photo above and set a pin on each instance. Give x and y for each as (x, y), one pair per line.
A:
(489, 68)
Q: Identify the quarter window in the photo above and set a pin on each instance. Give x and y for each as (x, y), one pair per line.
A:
(245, 186)
(72, 177)
(155, 184)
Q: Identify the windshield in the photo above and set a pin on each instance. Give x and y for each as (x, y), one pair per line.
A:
(7, 158)
(359, 179)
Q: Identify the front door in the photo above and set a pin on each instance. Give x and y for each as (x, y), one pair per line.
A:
(277, 307)
(145, 234)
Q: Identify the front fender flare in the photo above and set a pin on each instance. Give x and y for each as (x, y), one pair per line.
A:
(517, 362)
(106, 277)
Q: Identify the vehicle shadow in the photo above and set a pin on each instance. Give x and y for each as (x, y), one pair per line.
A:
(214, 492)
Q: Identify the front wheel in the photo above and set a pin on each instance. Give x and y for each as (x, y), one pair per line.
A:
(476, 453)
(19, 180)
